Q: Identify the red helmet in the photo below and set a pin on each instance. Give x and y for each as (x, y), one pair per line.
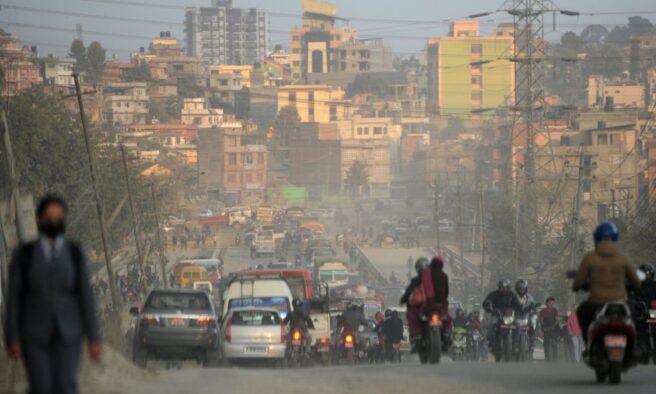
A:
(379, 317)
(437, 262)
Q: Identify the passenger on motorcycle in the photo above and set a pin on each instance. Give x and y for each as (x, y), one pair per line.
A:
(496, 302)
(528, 306)
(351, 319)
(460, 320)
(298, 319)
(606, 271)
(648, 288)
(414, 311)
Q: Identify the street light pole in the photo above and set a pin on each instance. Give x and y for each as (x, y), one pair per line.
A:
(162, 262)
(133, 212)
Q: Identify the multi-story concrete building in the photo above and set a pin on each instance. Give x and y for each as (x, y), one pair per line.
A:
(367, 140)
(222, 34)
(18, 65)
(467, 71)
(315, 103)
(244, 71)
(603, 92)
(363, 56)
(195, 111)
(228, 168)
(166, 60)
(224, 85)
(125, 103)
(58, 71)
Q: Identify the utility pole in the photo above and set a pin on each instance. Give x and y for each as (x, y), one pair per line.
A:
(460, 223)
(135, 225)
(116, 301)
(483, 241)
(162, 262)
(515, 248)
(14, 198)
(577, 223)
(436, 212)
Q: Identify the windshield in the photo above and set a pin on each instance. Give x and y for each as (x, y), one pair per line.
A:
(265, 235)
(281, 304)
(177, 301)
(255, 318)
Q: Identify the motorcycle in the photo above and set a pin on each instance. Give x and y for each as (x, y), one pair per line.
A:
(395, 352)
(295, 349)
(523, 348)
(611, 341)
(459, 346)
(651, 323)
(348, 347)
(430, 348)
(503, 344)
(474, 344)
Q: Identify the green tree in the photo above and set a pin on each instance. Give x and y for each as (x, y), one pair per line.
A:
(603, 60)
(594, 34)
(356, 178)
(188, 87)
(79, 53)
(284, 125)
(365, 83)
(96, 62)
(166, 110)
(243, 103)
(141, 73)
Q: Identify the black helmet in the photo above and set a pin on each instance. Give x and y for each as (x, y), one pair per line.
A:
(388, 313)
(521, 286)
(460, 312)
(648, 269)
(421, 263)
(395, 314)
(505, 284)
(296, 303)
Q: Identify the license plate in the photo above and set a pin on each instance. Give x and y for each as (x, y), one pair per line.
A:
(177, 322)
(396, 346)
(435, 323)
(348, 345)
(651, 321)
(323, 349)
(615, 341)
(255, 349)
(296, 342)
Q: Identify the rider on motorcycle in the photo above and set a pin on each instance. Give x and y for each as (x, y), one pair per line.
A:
(606, 271)
(298, 319)
(528, 306)
(648, 285)
(414, 311)
(351, 319)
(496, 302)
(460, 320)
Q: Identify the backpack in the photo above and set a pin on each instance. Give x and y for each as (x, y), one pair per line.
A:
(418, 296)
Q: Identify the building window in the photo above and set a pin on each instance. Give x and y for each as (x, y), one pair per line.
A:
(232, 158)
(476, 79)
(296, 38)
(365, 130)
(602, 139)
(310, 111)
(564, 140)
(292, 97)
(232, 140)
(198, 120)
(311, 96)
(249, 158)
(359, 130)
(333, 113)
(476, 95)
(178, 67)
(477, 48)
(378, 130)
(260, 158)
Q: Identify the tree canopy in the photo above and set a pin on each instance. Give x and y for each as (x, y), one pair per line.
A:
(96, 56)
(365, 83)
(284, 125)
(356, 177)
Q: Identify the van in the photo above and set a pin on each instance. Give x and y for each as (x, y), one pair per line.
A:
(269, 293)
(191, 274)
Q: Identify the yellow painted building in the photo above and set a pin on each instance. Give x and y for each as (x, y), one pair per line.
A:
(467, 71)
(315, 103)
(242, 70)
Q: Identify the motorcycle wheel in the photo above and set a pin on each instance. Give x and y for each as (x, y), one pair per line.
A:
(296, 359)
(523, 349)
(423, 353)
(507, 347)
(600, 375)
(435, 347)
(325, 359)
(474, 353)
(350, 356)
(615, 373)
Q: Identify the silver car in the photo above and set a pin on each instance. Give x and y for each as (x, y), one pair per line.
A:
(253, 333)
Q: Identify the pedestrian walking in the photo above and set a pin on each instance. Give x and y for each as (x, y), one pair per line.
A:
(50, 305)
(575, 334)
(548, 318)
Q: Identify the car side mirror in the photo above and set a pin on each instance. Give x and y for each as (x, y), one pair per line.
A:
(134, 311)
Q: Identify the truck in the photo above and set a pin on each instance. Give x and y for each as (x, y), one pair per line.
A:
(331, 270)
(265, 214)
(265, 244)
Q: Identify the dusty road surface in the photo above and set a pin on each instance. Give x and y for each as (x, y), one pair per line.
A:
(446, 378)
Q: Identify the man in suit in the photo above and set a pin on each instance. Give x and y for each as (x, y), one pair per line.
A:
(50, 305)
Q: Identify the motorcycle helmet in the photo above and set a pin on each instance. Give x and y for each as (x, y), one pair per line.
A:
(504, 284)
(437, 262)
(606, 231)
(420, 264)
(648, 269)
(460, 312)
(297, 304)
(388, 313)
(521, 287)
(395, 314)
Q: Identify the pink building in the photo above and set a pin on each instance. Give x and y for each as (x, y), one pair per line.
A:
(18, 65)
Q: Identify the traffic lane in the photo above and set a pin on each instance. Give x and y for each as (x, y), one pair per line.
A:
(238, 258)
(448, 377)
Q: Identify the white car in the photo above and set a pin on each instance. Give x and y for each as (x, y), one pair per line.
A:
(447, 226)
(175, 221)
(206, 213)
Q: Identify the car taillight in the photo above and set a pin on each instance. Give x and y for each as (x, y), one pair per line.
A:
(283, 334)
(297, 335)
(435, 318)
(323, 340)
(228, 329)
(206, 321)
(653, 304)
(348, 338)
(150, 320)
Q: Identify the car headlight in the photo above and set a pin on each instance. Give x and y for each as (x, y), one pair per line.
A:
(522, 322)
(508, 320)
(652, 313)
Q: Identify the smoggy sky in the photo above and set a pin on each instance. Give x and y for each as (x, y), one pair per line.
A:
(53, 33)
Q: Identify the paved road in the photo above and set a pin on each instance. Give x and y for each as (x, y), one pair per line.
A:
(448, 377)
(388, 260)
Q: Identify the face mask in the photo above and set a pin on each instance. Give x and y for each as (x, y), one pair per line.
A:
(52, 230)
